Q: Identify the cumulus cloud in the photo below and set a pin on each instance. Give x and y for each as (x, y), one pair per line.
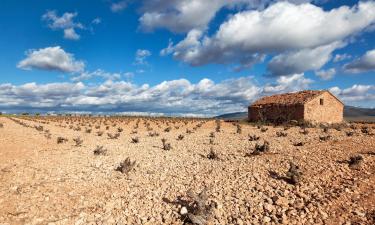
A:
(141, 55)
(302, 60)
(119, 6)
(179, 15)
(65, 22)
(98, 73)
(51, 58)
(356, 94)
(326, 74)
(291, 83)
(184, 15)
(283, 28)
(182, 97)
(364, 64)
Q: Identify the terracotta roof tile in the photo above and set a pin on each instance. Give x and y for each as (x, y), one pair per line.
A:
(296, 98)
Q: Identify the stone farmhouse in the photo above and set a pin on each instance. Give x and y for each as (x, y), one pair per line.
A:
(313, 106)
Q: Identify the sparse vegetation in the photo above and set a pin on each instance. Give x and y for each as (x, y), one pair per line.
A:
(261, 148)
(281, 134)
(61, 140)
(198, 209)
(78, 141)
(166, 146)
(226, 163)
(294, 174)
(238, 129)
(135, 140)
(355, 161)
(113, 136)
(126, 166)
(180, 137)
(325, 138)
(253, 137)
(100, 150)
(212, 154)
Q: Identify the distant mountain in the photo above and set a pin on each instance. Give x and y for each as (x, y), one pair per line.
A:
(233, 116)
(349, 111)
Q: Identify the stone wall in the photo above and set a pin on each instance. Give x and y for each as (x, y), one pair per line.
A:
(330, 112)
(276, 113)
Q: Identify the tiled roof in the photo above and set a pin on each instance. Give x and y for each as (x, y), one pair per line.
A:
(296, 98)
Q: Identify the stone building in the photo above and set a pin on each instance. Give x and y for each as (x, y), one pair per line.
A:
(314, 106)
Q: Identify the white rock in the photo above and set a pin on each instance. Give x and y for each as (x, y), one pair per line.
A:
(183, 211)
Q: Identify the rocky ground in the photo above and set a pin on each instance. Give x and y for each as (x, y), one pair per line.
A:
(213, 175)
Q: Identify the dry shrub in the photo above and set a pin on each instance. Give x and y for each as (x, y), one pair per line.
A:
(218, 125)
(325, 138)
(180, 137)
(126, 166)
(355, 161)
(281, 134)
(61, 140)
(99, 133)
(299, 143)
(100, 150)
(261, 148)
(1, 125)
(78, 141)
(239, 129)
(113, 136)
(38, 128)
(349, 133)
(294, 174)
(199, 209)
(166, 146)
(253, 137)
(153, 134)
(135, 140)
(119, 129)
(212, 154)
(263, 129)
(88, 131)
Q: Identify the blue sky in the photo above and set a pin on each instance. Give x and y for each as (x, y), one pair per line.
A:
(181, 57)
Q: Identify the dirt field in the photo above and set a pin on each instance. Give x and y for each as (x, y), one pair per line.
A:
(211, 175)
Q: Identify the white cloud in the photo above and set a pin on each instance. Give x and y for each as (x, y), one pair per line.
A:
(291, 83)
(169, 97)
(184, 15)
(302, 60)
(141, 55)
(97, 73)
(326, 74)
(71, 34)
(341, 57)
(364, 64)
(356, 94)
(283, 28)
(119, 6)
(64, 22)
(179, 15)
(51, 58)
(96, 21)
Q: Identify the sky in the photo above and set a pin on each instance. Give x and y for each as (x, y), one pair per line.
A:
(181, 57)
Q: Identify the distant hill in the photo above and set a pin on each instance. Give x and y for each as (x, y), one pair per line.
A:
(350, 112)
(233, 116)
